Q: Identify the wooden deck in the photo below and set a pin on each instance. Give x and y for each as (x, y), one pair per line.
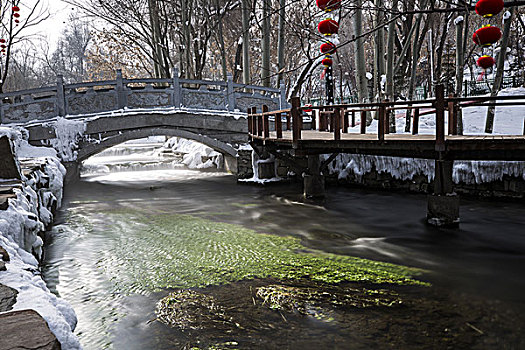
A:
(327, 133)
(497, 147)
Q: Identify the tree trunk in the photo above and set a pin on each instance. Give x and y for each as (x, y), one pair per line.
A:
(221, 43)
(265, 56)
(418, 42)
(280, 43)
(186, 27)
(246, 41)
(379, 56)
(460, 65)
(489, 122)
(359, 51)
(390, 59)
(156, 40)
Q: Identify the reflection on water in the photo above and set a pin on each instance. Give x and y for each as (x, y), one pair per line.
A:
(486, 256)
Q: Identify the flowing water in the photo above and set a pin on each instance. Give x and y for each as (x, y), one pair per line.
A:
(126, 236)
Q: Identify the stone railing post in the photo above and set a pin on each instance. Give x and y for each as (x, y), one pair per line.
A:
(284, 103)
(121, 91)
(61, 99)
(176, 93)
(230, 94)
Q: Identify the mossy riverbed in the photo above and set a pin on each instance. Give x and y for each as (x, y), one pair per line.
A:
(183, 251)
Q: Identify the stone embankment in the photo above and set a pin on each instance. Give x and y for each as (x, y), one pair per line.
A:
(31, 181)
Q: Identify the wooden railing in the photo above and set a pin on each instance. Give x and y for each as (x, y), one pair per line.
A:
(337, 119)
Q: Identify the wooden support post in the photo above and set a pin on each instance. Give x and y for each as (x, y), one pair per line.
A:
(336, 117)
(363, 122)
(386, 116)
(344, 116)
(452, 117)
(415, 122)
(523, 126)
(443, 204)
(322, 120)
(250, 123)
(313, 179)
(439, 104)
(260, 127)
(353, 119)
(253, 110)
(296, 119)
(279, 126)
(383, 123)
(288, 122)
(266, 122)
(331, 118)
(312, 126)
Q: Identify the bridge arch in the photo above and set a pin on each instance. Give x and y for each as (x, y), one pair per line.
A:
(89, 149)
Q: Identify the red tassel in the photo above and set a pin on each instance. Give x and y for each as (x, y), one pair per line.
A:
(323, 73)
(481, 75)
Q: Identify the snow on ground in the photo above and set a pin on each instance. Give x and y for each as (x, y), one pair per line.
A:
(195, 154)
(27, 215)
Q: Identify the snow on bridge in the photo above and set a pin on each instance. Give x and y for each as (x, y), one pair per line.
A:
(132, 94)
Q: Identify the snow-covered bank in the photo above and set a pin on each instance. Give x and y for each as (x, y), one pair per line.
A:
(20, 224)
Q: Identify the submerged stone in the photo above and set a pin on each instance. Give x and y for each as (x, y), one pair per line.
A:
(190, 310)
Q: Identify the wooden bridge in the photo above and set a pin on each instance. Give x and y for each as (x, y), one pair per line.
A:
(284, 134)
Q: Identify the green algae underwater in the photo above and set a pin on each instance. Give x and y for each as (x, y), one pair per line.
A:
(159, 251)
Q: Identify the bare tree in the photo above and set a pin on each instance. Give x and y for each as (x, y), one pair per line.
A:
(13, 30)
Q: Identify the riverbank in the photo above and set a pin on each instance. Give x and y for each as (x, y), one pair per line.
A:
(33, 197)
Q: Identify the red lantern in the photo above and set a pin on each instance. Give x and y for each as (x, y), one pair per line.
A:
(489, 8)
(486, 62)
(487, 35)
(328, 27)
(307, 108)
(16, 15)
(327, 62)
(15, 8)
(2, 40)
(328, 5)
(328, 48)
(2, 46)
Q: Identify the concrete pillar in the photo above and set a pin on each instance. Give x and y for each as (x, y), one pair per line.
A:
(266, 170)
(313, 180)
(443, 204)
(73, 171)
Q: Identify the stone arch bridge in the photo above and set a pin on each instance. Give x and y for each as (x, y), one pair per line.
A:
(80, 120)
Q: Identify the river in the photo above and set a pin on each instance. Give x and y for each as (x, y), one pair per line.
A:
(117, 231)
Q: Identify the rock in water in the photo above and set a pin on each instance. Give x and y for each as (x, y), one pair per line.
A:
(7, 298)
(4, 254)
(26, 329)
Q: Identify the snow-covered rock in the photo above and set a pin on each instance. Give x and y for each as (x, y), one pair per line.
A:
(26, 216)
